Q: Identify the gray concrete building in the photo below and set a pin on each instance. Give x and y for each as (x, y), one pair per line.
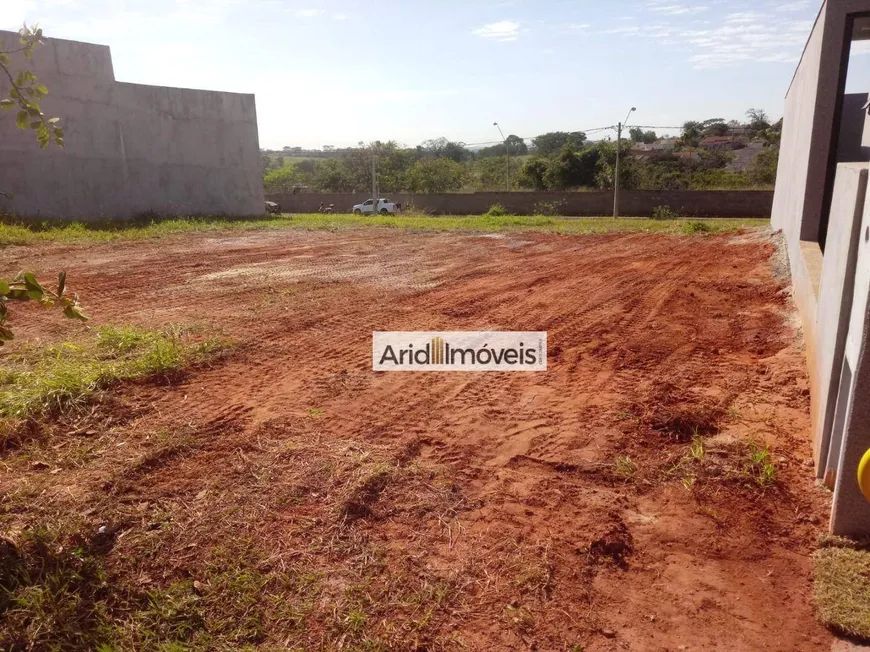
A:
(129, 148)
(821, 206)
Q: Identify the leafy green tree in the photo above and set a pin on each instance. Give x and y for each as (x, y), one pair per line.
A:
(516, 145)
(490, 173)
(638, 135)
(331, 175)
(573, 168)
(284, 179)
(629, 167)
(534, 172)
(552, 142)
(773, 134)
(491, 151)
(714, 127)
(692, 133)
(762, 170)
(443, 148)
(436, 175)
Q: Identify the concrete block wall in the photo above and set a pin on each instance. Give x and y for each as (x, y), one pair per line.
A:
(639, 203)
(830, 265)
(129, 148)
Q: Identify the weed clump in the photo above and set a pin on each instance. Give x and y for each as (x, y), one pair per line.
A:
(664, 213)
(497, 210)
(693, 227)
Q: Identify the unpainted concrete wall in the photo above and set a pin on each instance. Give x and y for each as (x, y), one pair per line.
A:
(835, 303)
(831, 289)
(130, 148)
(851, 432)
(695, 203)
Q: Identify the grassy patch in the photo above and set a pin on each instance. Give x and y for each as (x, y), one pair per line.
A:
(52, 591)
(624, 467)
(58, 377)
(693, 227)
(20, 234)
(842, 589)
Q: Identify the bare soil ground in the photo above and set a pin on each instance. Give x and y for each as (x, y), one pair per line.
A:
(624, 499)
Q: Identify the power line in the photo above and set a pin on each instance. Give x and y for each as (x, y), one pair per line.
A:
(525, 138)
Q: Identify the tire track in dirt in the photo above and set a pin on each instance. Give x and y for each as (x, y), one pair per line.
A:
(626, 314)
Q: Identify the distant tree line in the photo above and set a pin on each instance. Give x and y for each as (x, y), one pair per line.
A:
(553, 161)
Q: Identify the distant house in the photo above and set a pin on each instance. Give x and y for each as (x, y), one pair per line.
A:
(723, 143)
(649, 150)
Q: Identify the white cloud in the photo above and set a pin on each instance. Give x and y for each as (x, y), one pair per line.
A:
(748, 37)
(738, 37)
(676, 9)
(860, 48)
(198, 12)
(339, 16)
(504, 31)
(799, 5)
(308, 13)
(628, 29)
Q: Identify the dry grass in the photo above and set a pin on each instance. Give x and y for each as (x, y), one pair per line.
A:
(842, 589)
(290, 541)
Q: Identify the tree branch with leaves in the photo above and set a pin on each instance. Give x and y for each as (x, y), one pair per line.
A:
(25, 92)
(25, 287)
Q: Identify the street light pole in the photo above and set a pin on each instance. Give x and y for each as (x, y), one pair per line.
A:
(374, 180)
(619, 127)
(508, 152)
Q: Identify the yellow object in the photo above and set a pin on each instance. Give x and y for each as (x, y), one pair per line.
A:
(864, 475)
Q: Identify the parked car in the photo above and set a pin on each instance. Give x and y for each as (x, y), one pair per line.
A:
(272, 208)
(385, 207)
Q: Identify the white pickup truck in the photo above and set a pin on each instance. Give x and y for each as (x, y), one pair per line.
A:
(385, 207)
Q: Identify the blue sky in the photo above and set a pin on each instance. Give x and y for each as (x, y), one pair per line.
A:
(450, 67)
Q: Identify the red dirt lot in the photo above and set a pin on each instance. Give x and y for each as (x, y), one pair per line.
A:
(609, 503)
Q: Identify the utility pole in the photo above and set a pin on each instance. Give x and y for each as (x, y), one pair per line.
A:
(508, 153)
(619, 127)
(374, 179)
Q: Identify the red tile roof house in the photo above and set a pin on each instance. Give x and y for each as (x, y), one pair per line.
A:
(722, 142)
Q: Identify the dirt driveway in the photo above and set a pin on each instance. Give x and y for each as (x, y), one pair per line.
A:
(651, 491)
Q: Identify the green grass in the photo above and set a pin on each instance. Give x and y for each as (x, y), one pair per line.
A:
(624, 467)
(54, 378)
(18, 234)
(760, 466)
(842, 589)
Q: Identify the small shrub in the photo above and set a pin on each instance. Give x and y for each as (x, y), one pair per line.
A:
(760, 467)
(624, 467)
(497, 210)
(694, 226)
(664, 213)
(550, 207)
